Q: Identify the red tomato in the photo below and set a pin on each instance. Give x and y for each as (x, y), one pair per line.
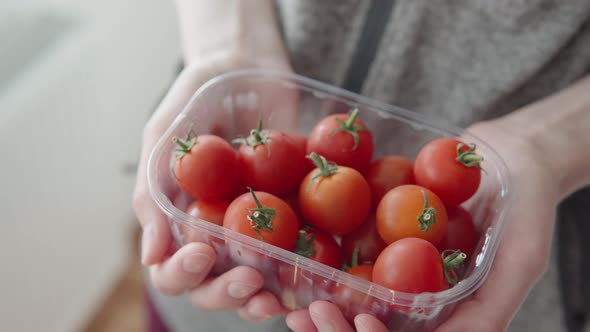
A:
(344, 140)
(206, 167)
(450, 168)
(272, 161)
(365, 239)
(265, 217)
(410, 265)
(319, 246)
(387, 173)
(461, 232)
(211, 211)
(411, 211)
(335, 199)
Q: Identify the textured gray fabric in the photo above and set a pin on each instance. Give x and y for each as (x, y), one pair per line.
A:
(459, 61)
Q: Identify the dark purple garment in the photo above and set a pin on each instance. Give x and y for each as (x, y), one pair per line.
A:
(154, 320)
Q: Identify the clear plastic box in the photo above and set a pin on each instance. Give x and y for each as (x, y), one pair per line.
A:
(230, 105)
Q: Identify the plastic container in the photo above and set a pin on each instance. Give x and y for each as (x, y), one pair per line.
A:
(231, 104)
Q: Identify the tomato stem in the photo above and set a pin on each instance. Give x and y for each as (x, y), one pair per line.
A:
(428, 216)
(354, 260)
(350, 127)
(451, 260)
(257, 137)
(355, 257)
(187, 144)
(260, 217)
(304, 244)
(468, 157)
(326, 167)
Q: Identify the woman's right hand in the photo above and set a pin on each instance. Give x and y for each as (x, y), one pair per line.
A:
(217, 37)
(186, 270)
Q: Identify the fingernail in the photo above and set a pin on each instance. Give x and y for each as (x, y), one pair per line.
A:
(146, 242)
(195, 263)
(360, 324)
(238, 290)
(257, 315)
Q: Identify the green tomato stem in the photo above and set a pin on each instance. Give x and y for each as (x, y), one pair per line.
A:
(468, 157)
(185, 145)
(257, 136)
(304, 244)
(260, 217)
(327, 168)
(349, 127)
(428, 216)
(452, 259)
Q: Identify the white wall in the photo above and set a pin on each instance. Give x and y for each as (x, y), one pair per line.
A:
(70, 121)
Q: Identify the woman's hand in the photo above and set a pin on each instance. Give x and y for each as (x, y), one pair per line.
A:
(186, 270)
(521, 259)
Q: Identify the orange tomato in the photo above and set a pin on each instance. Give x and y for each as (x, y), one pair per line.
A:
(335, 199)
(411, 211)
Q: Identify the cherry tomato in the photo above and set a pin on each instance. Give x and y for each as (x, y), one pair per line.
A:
(352, 301)
(365, 239)
(319, 246)
(272, 161)
(206, 166)
(263, 216)
(335, 199)
(410, 265)
(344, 140)
(364, 271)
(461, 232)
(449, 168)
(411, 211)
(211, 211)
(387, 173)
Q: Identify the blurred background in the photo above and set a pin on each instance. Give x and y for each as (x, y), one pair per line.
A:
(78, 80)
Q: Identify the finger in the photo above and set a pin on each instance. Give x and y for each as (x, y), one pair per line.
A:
(156, 238)
(368, 323)
(328, 318)
(227, 291)
(300, 321)
(186, 269)
(261, 307)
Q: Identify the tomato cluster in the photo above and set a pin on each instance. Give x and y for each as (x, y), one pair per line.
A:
(395, 221)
